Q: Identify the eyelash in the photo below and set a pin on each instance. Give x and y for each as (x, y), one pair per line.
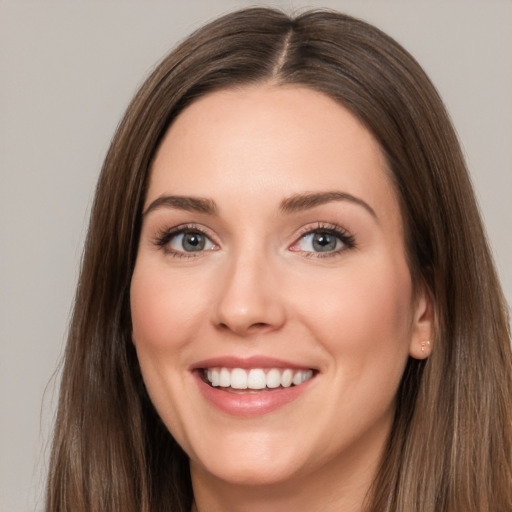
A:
(166, 235)
(342, 234)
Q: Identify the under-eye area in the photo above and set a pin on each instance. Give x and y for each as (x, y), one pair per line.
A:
(255, 379)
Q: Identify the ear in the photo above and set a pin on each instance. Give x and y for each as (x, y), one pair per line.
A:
(422, 329)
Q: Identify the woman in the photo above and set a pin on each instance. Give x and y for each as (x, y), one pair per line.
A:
(286, 298)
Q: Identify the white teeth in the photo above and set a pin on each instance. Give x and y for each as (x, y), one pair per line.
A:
(256, 378)
(306, 375)
(273, 378)
(286, 378)
(225, 378)
(215, 377)
(239, 379)
(297, 378)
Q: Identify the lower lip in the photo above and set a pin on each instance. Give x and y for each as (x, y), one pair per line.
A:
(250, 403)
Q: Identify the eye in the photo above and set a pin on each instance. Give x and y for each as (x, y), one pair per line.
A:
(328, 241)
(319, 242)
(190, 241)
(179, 242)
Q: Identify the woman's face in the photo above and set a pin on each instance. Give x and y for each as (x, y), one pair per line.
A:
(272, 304)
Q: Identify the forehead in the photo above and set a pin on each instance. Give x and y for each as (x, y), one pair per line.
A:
(269, 141)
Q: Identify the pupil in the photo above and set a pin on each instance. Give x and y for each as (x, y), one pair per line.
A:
(323, 242)
(193, 242)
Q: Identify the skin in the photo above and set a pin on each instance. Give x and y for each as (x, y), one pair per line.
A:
(260, 288)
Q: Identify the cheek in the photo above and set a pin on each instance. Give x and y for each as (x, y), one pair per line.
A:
(165, 309)
(164, 305)
(362, 315)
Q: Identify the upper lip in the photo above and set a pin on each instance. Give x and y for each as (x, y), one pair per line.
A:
(248, 363)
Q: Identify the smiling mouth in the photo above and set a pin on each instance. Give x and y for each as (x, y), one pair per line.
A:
(238, 380)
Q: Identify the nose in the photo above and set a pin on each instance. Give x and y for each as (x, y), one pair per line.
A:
(249, 300)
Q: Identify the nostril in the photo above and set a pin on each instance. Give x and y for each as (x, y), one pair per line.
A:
(251, 328)
(258, 325)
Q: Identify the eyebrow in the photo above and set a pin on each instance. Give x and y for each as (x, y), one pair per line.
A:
(305, 201)
(292, 204)
(191, 204)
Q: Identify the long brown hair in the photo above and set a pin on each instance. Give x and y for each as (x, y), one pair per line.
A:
(450, 448)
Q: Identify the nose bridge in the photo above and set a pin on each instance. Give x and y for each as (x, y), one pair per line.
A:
(248, 298)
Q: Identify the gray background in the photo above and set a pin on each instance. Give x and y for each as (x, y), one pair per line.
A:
(67, 72)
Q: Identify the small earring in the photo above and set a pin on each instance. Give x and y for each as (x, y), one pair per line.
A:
(424, 344)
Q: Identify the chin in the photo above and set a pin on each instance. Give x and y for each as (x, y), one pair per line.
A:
(253, 462)
(248, 473)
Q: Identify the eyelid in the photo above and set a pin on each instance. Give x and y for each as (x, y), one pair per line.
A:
(346, 238)
(165, 235)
